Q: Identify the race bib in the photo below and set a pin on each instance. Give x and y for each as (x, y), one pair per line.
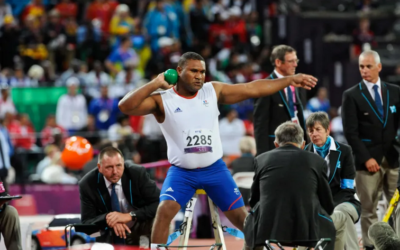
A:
(198, 141)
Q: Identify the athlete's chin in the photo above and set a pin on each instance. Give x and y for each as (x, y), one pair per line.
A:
(198, 85)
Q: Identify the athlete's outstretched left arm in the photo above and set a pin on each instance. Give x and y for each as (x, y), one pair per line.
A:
(233, 93)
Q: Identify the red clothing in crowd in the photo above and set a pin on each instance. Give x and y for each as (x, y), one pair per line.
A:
(103, 12)
(238, 28)
(249, 127)
(226, 30)
(136, 123)
(34, 10)
(21, 136)
(48, 133)
(67, 9)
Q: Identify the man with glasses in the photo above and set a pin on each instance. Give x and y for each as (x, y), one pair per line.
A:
(285, 105)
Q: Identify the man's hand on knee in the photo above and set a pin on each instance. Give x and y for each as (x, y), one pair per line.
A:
(120, 230)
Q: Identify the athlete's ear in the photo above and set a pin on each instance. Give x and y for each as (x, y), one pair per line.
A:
(179, 70)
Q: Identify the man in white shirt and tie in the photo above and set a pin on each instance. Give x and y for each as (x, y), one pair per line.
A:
(370, 122)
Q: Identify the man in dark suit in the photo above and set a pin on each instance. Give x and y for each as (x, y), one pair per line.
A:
(285, 105)
(341, 172)
(370, 122)
(120, 198)
(285, 207)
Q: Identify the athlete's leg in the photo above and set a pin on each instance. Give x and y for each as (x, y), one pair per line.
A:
(178, 188)
(166, 211)
(221, 188)
(237, 217)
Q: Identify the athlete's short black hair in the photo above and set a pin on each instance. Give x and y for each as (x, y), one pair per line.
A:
(189, 56)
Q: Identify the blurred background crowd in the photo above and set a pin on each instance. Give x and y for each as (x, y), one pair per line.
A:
(65, 64)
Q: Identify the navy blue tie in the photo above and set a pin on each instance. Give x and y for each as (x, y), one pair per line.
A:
(290, 101)
(116, 208)
(378, 101)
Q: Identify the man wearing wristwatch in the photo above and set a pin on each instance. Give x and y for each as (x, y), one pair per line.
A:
(120, 198)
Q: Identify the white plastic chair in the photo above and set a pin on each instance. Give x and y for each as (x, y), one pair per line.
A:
(244, 179)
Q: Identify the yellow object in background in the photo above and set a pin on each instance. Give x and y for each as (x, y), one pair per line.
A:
(392, 206)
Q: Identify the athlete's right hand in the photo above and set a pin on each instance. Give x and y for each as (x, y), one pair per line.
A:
(162, 84)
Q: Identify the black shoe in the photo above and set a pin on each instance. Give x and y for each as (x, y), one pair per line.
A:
(369, 248)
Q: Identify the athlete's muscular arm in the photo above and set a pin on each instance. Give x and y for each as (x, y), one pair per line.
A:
(233, 93)
(140, 101)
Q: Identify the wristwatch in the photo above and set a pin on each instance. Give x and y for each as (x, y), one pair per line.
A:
(133, 215)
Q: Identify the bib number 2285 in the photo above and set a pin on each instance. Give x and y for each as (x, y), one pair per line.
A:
(198, 140)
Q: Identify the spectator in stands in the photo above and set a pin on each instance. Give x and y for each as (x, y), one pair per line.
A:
(366, 5)
(363, 36)
(5, 10)
(52, 131)
(199, 21)
(236, 24)
(122, 23)
(35, 9)
(249, 123)
(9, 34)
(10, 226)
(23, 133)
(32, 49)
(54, 172)
(245, 163)
(152, 141)
(49, 75)
(71, 111)
(55, 38)
(91, 132)
(320, 102)
(162, 59)
(88, 38)
(6, 103)
(119, 57)
(231, 131)
(105, 109)
(95, 79)
(21, 80)
(67, 9)
(52, 155)
(160, 22)
(71, 29)
(119, 130)
(103, 11)
(126, 80)
(73, 71)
